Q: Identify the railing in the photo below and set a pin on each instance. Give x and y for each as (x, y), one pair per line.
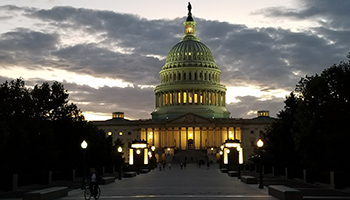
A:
(332, 179)
(13, 182)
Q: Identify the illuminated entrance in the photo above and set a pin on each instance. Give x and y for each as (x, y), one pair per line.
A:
(192, 138)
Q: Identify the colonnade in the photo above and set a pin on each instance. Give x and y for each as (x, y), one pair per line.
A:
(180, 75)
(189, 137)
(191, 97)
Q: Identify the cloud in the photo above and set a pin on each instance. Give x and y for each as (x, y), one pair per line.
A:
(326, 13)
(134, 101)
(127, 47)
(249, 105)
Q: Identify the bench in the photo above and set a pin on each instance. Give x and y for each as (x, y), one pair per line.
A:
(223, 170)
(144, 171)
(46, 194)
(107, 180)
(129, 174)
(249, 179)
(285, 193)
(232, 173)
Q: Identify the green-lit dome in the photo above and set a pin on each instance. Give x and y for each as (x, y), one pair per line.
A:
(190, 80)
(190, 53)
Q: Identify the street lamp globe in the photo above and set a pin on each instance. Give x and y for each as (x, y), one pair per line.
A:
(84, 144)
(260, 143)
(120, 149)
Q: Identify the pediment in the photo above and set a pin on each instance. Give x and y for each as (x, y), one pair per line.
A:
(189, 118)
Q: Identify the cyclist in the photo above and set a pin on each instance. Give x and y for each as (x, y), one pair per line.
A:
(94, 181)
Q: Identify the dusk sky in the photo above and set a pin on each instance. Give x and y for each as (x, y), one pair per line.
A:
(108, 54)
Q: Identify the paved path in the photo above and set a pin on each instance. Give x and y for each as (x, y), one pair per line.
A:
(191, 183)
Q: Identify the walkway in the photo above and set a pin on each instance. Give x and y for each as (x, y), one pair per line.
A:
(190, 183)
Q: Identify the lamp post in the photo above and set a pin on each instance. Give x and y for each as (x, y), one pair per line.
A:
(120, 150)
(83, 146)
(260, 144)
(239, 163)
(138, 151)
(153, 158)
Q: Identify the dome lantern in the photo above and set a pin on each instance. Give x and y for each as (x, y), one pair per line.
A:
(190, 26)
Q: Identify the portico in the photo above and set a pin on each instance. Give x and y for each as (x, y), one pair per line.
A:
(189, 136)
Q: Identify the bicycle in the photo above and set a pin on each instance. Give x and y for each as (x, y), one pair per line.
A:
(88, 193)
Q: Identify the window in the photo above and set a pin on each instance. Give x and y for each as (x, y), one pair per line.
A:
(129, 133)
(251, 131)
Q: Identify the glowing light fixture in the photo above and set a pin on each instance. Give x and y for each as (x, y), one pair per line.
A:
(232, 143)
(260, 143)
(84, 144)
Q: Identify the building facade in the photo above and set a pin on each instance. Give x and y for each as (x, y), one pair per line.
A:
(190, 121)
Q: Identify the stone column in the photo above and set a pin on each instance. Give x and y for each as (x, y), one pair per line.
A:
(200, 137)
(160, 137)
(193, 96)
(152, 130)
(214, 136)
(166, 137)
(180, 129)
(174, 137)
(186, 137)
(187, 97)
(234, 132)
(194, 137)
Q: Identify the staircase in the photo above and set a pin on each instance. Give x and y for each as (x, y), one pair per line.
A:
(190, 156)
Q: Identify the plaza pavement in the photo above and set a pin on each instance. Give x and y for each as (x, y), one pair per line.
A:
(190, 183)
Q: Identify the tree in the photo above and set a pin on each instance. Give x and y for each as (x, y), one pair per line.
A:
(312, 129)
(279, 143)
(41, 130)
(322, 118)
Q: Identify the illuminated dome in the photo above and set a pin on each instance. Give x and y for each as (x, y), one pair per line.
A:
(190, 80)
(190, 53)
